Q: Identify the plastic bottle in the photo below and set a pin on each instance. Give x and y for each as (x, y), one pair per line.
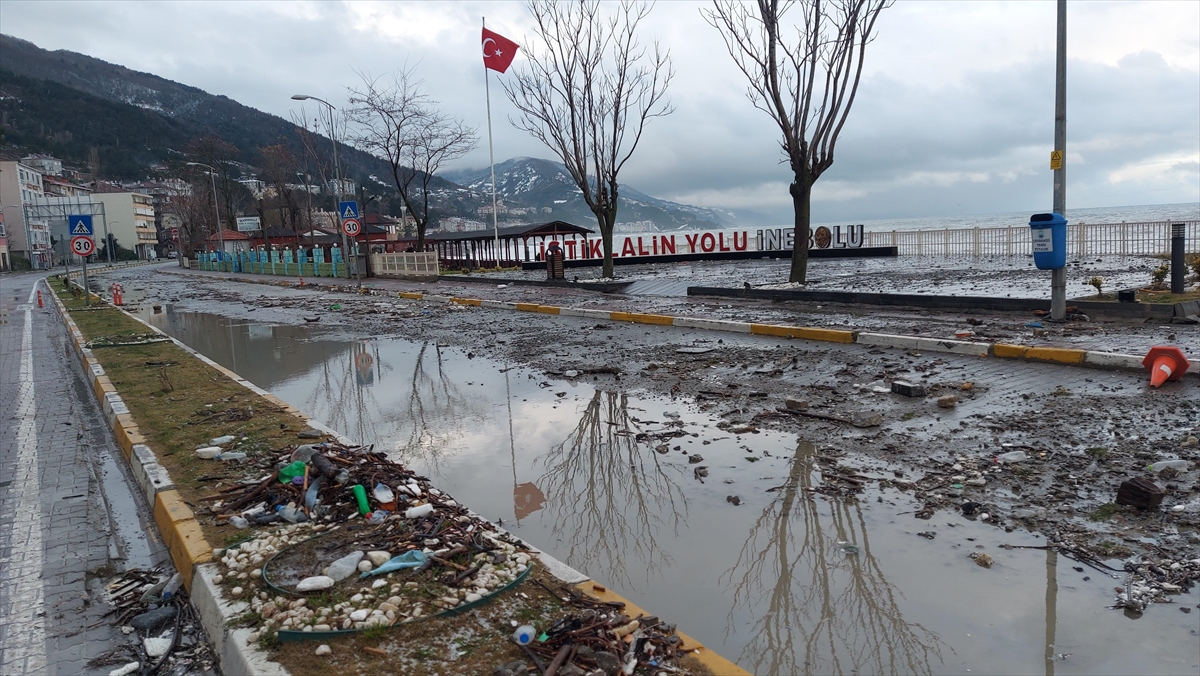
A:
(360, 496)
(304, 453)
(310, 497)
(524, 634)
(1012, 456)
(1181, 465)
(232, 456)
(418, 511)
(238, 522)
(384, 496)
(291, 513)
(377, 517)
(221, 440)
(208, 452)
(344, 567)
(172, 586)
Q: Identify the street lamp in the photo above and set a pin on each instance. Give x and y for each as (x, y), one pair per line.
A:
(212, 174)
(337, 170)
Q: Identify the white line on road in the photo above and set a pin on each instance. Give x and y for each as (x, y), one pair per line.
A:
(24, 646)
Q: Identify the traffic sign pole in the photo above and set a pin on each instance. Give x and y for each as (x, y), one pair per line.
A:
(87, 296)
(349, 214)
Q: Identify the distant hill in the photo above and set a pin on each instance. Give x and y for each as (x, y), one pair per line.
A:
(144, 102)
(546, 185)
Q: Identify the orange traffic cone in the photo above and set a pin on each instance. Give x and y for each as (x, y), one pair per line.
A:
(1165, 363)
(40, 298)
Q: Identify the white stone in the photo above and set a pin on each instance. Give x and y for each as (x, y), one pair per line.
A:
(322, 627)
(378, 558)
(323, 650)
(357, 598)
(472, 598)
(315, 583)
(236, 591)
(156, 647)
(378, 583)
(365, 566)
(359, 615)
(126, 670)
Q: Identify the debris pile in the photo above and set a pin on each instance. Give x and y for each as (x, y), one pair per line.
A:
(598, 638)
(1148, 582)
(400, 551)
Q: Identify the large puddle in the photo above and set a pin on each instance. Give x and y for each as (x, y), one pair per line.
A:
(790, 581)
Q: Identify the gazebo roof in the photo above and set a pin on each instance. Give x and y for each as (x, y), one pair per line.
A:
(523, 230)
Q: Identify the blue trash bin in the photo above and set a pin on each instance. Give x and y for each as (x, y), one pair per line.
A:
(1049, 232)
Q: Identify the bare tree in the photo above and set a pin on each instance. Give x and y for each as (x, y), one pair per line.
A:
(806, 86)
(279, 168)
(399, 123)
(219, 154)
(587, 94)
(313, 160)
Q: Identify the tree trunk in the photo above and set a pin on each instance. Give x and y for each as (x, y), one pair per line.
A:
(801, 190)
(420, 236)
(606, 220)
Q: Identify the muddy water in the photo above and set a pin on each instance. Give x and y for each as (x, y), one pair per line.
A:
(790, 581)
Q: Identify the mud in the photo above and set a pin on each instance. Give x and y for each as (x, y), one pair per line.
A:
(793, 543)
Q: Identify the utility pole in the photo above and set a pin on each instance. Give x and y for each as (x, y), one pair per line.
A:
(212, 175)
(337, 173)
(1058, 277)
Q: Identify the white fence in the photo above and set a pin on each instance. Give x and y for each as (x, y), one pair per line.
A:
(408, 264)
(1083, 239)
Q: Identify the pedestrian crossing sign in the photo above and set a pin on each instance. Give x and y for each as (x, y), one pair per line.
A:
(80, 225)
(348, 210)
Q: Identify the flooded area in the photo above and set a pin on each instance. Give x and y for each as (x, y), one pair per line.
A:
(730, 531)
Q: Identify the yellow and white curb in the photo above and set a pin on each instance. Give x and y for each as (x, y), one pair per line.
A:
(190, 551)
(1055, 355)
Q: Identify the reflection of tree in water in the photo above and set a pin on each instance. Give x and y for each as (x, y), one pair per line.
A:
(432, 414)
(340, 389)
(608, 495)
(820, 609)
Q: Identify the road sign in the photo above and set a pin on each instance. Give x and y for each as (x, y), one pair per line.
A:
(351, 227)
(1056, 158)
(348, 210)
(83, 246)
(248, 223)
(80, 225)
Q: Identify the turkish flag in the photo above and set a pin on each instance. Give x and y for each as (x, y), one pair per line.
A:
(498, 51)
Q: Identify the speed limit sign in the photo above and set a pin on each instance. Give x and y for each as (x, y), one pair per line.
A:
(83, 246)
(351, 227)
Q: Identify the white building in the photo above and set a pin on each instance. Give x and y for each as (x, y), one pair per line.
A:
(21, 186)
(130, 219)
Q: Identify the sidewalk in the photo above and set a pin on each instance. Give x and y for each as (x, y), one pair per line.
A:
(68, 517)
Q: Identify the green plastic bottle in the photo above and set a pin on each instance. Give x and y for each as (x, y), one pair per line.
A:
(360, 494)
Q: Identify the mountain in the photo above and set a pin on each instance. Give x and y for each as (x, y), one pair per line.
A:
(547, 190)
(149, 116)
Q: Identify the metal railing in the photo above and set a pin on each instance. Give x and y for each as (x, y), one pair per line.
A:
(1083, 239)
(406, 264)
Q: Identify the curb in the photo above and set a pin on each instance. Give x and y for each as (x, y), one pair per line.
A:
(190, 551)
(1053, 355)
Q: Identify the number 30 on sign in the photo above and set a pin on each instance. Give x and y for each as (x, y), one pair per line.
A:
(83, 246)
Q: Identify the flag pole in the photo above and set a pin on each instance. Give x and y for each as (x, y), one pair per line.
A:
(491, 155)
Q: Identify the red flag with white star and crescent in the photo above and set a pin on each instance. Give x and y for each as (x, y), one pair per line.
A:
(498, 51)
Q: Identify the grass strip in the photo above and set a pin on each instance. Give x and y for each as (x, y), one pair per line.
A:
(179, 403)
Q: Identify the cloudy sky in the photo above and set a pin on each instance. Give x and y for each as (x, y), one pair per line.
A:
(954, 115)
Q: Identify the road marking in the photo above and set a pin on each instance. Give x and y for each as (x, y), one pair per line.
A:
(24, 646)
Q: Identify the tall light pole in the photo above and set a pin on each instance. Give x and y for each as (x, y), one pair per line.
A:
(337, 172)
(212, 175)
(1058, 277)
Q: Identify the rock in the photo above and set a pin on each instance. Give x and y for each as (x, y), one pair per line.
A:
(695, 459)
(1191, 441)
(572, 670)
(866, 419)
(360, 615)
(236, 591)
(153, 619)
(608, 663)
(948, 401)
(323, 650)
(385, 606)
(1140, 492)
(379, 558)
(365, 566)
(310, 434)
(907, 389)
(517, 668)
(733, 500)
(315, 583)
(967, 386)
(796, 404)
(981, 559)
(156, 647)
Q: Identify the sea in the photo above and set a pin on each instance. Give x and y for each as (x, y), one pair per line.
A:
(1184, 211)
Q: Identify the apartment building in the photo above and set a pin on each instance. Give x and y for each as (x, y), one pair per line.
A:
(28, 236)
(130, 219)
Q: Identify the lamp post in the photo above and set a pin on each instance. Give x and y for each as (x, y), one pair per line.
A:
(212, 175)
(337, 170)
